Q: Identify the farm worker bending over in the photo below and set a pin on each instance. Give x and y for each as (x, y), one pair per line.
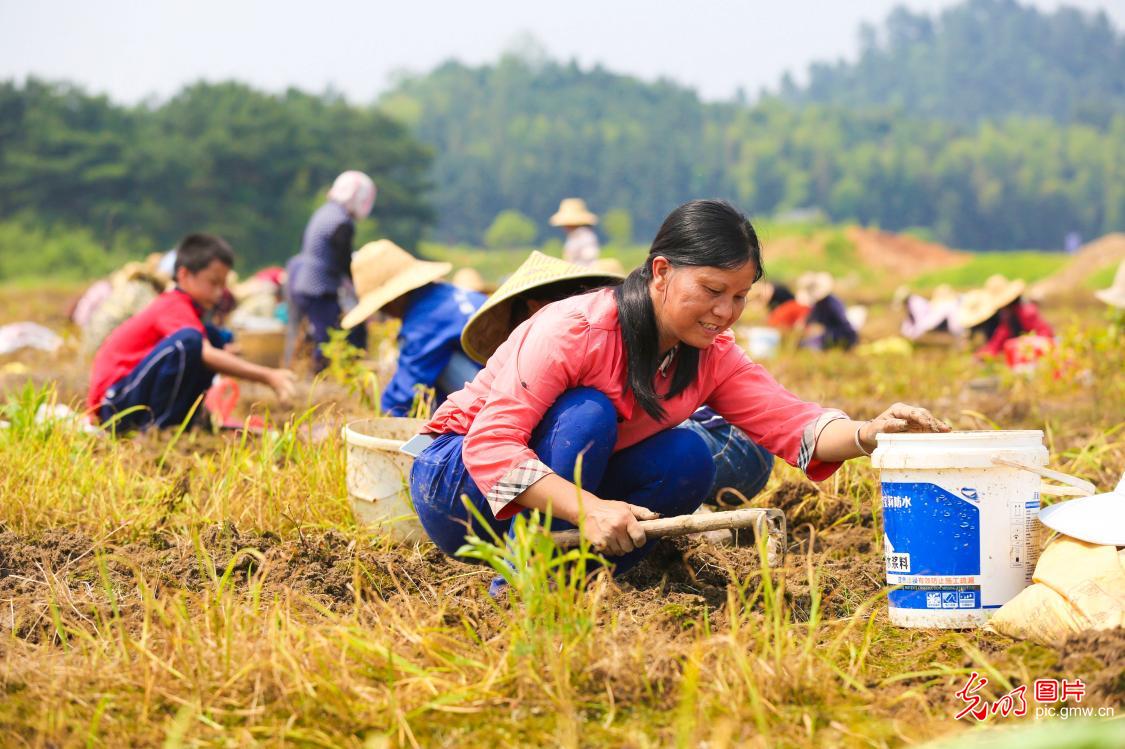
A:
(390, 279)
(164, 358)
(827, 325)
(785, 311)
(739, 463)
(609, 375)
(325, 258)
(581, 246)
(999, 311)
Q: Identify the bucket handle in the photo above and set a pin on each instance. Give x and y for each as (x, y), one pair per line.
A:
(1075, 487)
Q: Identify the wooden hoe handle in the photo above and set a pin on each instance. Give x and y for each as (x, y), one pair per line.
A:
(768, 521)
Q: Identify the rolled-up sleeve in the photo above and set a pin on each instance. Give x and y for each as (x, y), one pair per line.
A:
(750, 398)
(546, 361)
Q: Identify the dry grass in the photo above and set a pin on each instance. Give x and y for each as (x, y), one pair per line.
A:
(213, 590)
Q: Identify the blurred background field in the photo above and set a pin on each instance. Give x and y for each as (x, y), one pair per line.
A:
(1027, 153)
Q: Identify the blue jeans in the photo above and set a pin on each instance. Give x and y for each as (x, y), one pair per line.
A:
(669, 473)
(166, 383)
(740, 464)
(323, 312)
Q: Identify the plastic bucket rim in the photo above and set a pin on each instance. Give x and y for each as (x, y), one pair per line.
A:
(354, 437)
(970, 434)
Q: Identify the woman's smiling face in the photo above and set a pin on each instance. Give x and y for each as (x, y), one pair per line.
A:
(694, 304)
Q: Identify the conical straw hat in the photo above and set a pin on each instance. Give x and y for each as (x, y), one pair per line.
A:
(491, 324)
(1115, 295)
(573, 212)
(382, 272)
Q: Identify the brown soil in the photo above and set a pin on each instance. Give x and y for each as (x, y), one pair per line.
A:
(901, 254)
(324, 566)
(1107, 250)
(1098, 658)
(805, 504)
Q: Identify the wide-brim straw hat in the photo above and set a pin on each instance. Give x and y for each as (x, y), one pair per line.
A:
(490, 326)
(976, 307)
(573, 212)
(382, 272)
(981, 304)
(1115, 295)
(1003, 291)
(813, 286)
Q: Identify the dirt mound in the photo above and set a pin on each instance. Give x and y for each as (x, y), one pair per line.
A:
(1092, 257)
(901, 254)
(804, 504)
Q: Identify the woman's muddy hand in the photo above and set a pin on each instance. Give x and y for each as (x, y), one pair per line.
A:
(902, 417)
(612, 527)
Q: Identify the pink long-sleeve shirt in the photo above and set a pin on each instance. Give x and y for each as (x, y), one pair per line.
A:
(576, 343)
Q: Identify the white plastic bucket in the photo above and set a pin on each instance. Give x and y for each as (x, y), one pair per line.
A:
(958, 524)
(763, 342)
(378, 476)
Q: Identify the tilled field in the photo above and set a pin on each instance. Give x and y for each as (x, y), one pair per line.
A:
(215, 590)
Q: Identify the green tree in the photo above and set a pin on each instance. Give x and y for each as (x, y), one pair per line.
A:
(216, 157)
(618, 226)
(510, 229)
(1066, 65)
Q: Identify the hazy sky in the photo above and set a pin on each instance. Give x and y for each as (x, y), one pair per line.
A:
(134, 49)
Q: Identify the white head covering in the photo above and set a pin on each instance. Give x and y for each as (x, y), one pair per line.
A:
(355, 191)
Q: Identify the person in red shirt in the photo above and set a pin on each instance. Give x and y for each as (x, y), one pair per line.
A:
(785, 312)
(161, 359)
(1001, 313)
(605, 377)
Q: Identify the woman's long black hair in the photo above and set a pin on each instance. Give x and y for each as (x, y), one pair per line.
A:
(709, 233)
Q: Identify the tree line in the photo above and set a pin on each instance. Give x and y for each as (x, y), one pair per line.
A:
(976, 154)
(223, 158)
(992, 125)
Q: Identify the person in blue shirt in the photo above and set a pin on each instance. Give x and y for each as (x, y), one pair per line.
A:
(433, 313)
(318, 272)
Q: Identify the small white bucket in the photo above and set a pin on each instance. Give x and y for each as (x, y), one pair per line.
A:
(763, 342)
(959, 514)
(378, 476)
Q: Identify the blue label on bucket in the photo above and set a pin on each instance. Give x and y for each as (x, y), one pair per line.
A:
(946, 597)
(932, 546)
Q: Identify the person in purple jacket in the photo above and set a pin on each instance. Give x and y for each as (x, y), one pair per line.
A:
(324, 263)
(827, 325)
